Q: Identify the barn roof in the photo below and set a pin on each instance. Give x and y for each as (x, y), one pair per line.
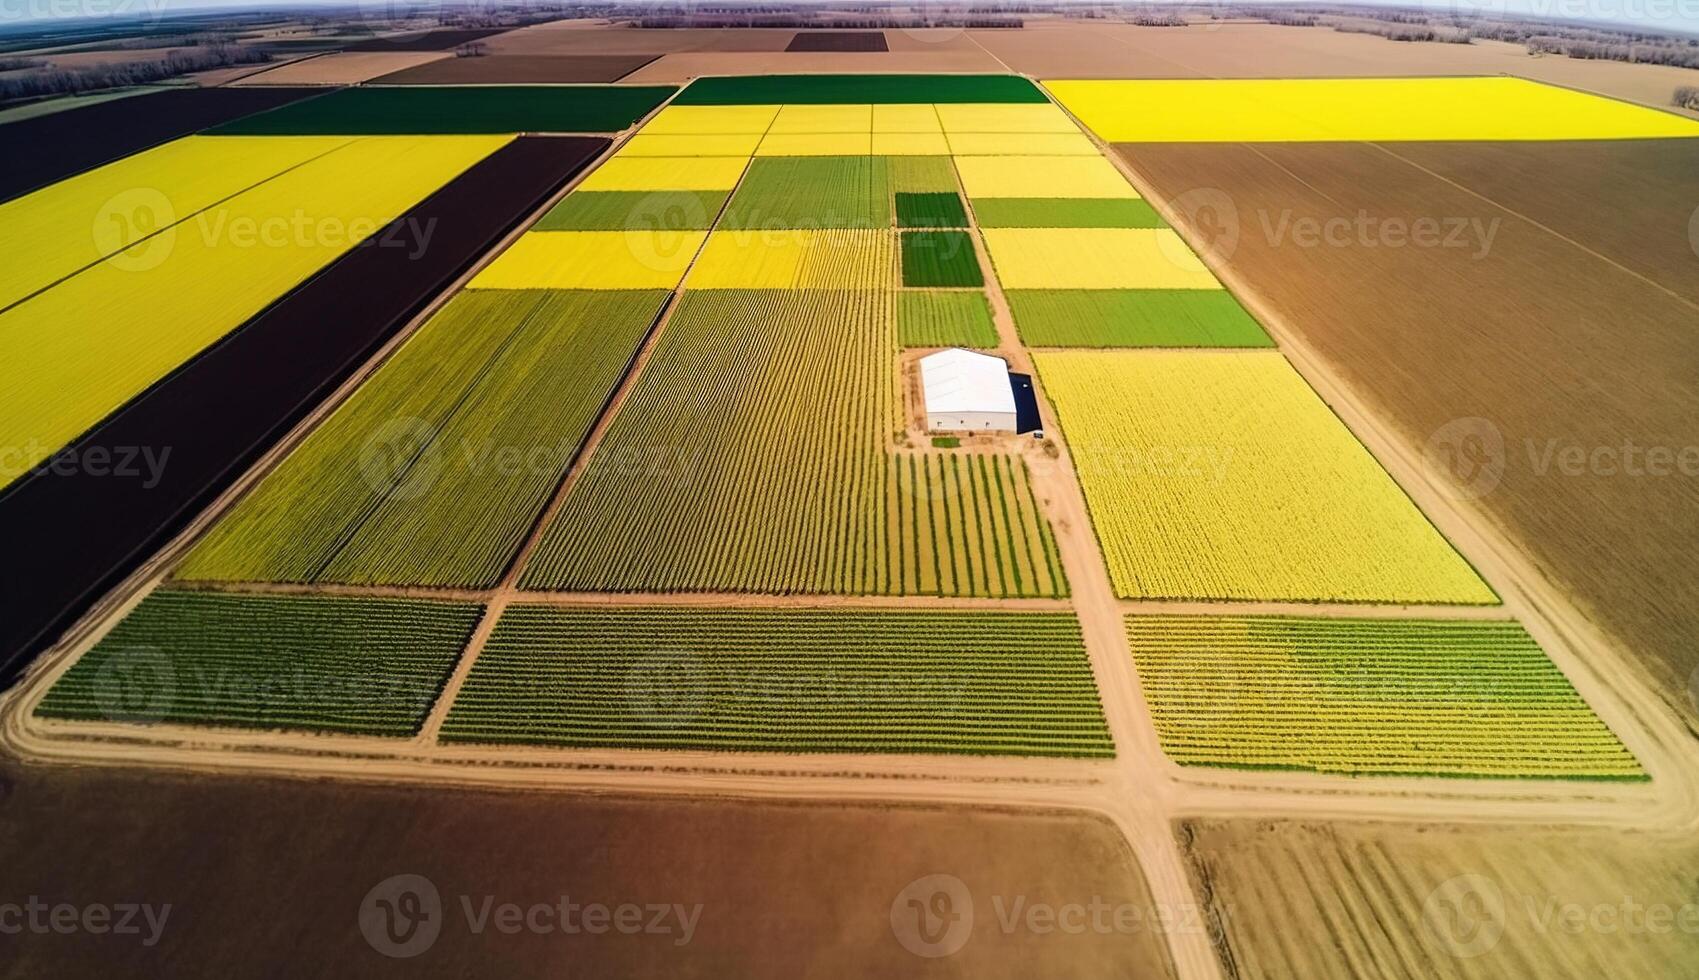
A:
(957, 380)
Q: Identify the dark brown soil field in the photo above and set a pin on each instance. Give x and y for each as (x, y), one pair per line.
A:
(838, 41)
(274, 872)
(520, 69)
(428, 41)
(89, 526)
(1521, 308)
(1340, 901)
(37, 152)
(580, 38)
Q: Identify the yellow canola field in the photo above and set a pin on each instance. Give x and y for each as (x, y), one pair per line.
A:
(666, 174)
(1381, 109)
(845, 259)
(975, 118)
(666, 145)
(1224, 476)
(1095, 258)
(679, 120)
(56, 231)
(910, 145)
(86, 346)
(922, 118)
(1021, 144)
(796, 119)
(1042, 176)
(630, 259)
(815, 145)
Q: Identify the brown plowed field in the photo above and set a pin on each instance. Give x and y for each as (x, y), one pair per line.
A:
(1325, 901)
(256, 873)
(1550, 302)
(520, 69)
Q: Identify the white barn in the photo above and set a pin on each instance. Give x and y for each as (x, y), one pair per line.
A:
(967, 391)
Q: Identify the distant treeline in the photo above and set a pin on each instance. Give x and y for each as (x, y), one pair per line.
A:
(63, 81)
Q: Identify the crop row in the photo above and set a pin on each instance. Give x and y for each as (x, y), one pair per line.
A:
(1409, 697)
(784, 680)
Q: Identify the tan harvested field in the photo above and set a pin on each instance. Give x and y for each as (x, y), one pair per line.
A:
(1326, 901)
(342, 68)
(519, 69)
(1049, 48)
(1536, 355)
(929, 50)
(256, 873)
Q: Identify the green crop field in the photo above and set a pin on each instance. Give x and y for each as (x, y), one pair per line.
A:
(812, 192)
(921, 175)
(698, 483)
(858, 89)
(369, 666)
(789, 680)
(634, 210)
(941, 209)
(427, 109)
(940, 258)
(436, 468)
(1051, 212)
(945, 318)
(1388, 697)
(1133, 318)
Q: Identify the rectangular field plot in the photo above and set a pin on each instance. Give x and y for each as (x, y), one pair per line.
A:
(666, 145)
(665, 174)
(365, 666)
(1057, 212)
(945, 318)
(1043, 176)
(422, 109)
(643, 257)
(634, 210)
(436, 468)
(1224, 476)
(706, 120)
(940, 210)
(790, 680)
(753, 455)
(854, 89)
(940, 258)
(1270, 110)
(1134, 318)
(790, 259)
(1368, 697)
(81, 348)
(822, 192)
(1095, 258)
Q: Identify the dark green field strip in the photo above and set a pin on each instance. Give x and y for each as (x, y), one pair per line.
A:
(921, 175)
(434, 470)
(432, 109)
(1058, 212)
(933, 210)
(854, 89)
(812, 192)
(1368, 697)
(786, 680)
(928, 318)
(634, 210)
(940, 258)
(1133, 318)
(370, 666)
